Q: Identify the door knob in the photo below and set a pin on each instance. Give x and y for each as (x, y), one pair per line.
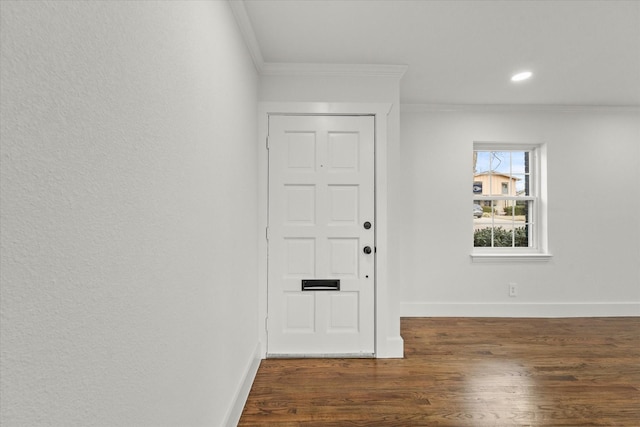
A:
(367, 250)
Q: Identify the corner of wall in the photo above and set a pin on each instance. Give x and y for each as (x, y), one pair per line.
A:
(242, 393)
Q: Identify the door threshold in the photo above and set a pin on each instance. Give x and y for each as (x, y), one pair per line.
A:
(321, 356)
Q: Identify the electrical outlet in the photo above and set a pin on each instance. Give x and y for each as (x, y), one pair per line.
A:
(513, 289)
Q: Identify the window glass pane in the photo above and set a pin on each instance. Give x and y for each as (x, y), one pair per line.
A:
(501, 162)
(502, 173)
(522, 234)
(518, 162)
(481, 163)
(521, 183)
(502, 238)
(503, 223)
(517, 210)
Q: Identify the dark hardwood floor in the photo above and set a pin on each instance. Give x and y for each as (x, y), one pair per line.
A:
(466, 372)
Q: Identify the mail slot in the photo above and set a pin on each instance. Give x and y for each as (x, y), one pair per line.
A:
(320, 285)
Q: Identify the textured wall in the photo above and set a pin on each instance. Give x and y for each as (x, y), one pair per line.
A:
(128, 213)
(594, 232)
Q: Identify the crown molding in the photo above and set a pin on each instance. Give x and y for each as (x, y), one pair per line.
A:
(339, 70)
(246, 28)
(300, 69)
(515, 108)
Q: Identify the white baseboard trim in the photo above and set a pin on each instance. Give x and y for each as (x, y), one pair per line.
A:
(235, 412)
(393, 349)
(423, 309)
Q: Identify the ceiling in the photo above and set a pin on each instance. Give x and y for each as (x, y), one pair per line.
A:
(464, 52)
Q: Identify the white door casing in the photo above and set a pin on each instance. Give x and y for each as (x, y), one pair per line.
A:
(321, 193)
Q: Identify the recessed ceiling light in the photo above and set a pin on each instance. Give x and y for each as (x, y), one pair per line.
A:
(521, 76)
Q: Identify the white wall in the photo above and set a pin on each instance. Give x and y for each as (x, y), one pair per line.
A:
(129, 197)
(594, 200)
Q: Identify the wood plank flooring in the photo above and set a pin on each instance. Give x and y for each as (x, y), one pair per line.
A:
(465, 372)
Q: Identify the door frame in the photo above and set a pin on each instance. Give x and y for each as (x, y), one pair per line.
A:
(380, 112)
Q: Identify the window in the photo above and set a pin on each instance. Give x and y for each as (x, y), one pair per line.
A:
(509, 186)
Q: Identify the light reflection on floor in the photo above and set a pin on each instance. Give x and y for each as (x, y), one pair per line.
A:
(500, 387)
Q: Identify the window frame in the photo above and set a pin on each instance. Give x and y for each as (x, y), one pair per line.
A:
(538, 251)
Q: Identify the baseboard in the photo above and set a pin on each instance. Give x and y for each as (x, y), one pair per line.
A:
(235, 412)
(394, 349)
(420, 309)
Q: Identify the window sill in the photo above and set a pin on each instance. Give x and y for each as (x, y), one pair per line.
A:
(504, 257)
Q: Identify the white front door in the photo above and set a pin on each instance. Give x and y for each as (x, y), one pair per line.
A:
(321, 240)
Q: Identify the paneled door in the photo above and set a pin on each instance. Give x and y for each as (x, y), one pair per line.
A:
(321, 239)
